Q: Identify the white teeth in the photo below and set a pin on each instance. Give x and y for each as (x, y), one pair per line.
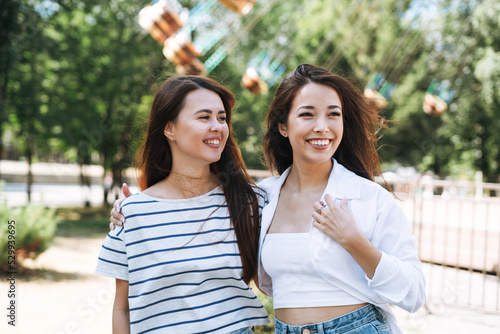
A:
(213, 142)
(320, 142)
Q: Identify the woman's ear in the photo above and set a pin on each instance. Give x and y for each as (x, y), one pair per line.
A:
(283, 130)
(169, 131)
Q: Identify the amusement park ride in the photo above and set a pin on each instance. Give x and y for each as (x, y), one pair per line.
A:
(186, 35)
(438, 97)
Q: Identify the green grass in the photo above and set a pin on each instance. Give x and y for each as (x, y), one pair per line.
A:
(82, 222)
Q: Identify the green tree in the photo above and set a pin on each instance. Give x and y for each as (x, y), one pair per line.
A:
(76, 77)
(27, 83)
(105, 66)
(486, 22)
(9, 28)
(466, 52)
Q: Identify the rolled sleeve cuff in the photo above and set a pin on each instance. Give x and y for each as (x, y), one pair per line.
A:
(391, 282)
(384, 271)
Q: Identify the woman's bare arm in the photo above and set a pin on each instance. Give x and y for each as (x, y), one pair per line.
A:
(121, 315)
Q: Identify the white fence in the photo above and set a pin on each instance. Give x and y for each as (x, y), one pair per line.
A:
(457, 226)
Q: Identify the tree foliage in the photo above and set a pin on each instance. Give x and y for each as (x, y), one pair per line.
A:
(77, 76)
(465, 51)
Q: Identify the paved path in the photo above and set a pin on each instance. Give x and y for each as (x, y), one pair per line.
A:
(63, 296)
(55, 195)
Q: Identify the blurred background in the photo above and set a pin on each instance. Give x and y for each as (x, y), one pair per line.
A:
(77, 79)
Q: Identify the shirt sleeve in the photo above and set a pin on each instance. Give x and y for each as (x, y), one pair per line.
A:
(262, 199)
(112, 261)
(398, 278)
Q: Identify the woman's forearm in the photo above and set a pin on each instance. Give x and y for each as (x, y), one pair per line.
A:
(121, 321)
(121, 314)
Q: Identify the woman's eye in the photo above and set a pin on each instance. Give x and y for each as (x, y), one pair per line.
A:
(205, 117)
(305, 114)
(335, 114)
(222, 119)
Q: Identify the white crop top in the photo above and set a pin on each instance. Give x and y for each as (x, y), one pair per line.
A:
(285, 258)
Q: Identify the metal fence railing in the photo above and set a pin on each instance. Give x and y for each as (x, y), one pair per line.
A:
(457, 227)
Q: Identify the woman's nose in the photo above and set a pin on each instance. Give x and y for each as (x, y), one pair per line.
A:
(215, 125)
(321, 125)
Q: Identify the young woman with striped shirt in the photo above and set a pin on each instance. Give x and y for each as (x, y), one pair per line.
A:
(183, 261)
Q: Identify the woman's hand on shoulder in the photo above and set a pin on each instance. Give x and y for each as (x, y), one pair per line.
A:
(117, 218)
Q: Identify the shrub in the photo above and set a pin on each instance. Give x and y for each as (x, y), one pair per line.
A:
(34, 230)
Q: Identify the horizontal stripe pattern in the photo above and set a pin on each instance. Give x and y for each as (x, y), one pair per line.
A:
(182, 262)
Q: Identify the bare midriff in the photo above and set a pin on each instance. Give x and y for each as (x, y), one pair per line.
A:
(312, 315)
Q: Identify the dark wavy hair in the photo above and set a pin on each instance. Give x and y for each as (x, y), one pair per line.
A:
(357, 150)
(154, 162)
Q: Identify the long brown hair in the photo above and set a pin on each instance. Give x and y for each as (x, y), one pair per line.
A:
(357, 150)
(154, 162)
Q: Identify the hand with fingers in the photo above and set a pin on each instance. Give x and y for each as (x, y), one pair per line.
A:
(117, 218)
(335, 221)
(339, 224)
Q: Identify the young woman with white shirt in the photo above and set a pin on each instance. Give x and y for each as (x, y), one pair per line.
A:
(335, 247)
(183, 261)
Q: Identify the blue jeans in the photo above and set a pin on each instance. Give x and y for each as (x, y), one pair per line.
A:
(367, 320)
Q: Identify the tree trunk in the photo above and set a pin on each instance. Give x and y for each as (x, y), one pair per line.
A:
(84, 162)
(105, 152)
(2, 112)
(117, 179)
(29, 158)
(121, 161)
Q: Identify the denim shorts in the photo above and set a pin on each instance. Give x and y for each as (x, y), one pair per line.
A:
(367, 320)
(246, 330)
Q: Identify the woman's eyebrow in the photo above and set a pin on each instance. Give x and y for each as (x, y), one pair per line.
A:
(308, 107)
(305, 107)
(203, 110)
(208, 111)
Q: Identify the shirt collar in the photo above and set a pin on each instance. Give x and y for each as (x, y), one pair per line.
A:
(341, 183)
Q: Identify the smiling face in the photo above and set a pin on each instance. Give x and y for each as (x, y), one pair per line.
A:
(315, 125)
(198, 135)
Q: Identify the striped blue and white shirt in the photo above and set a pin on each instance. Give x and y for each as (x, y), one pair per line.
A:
(182, 262)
